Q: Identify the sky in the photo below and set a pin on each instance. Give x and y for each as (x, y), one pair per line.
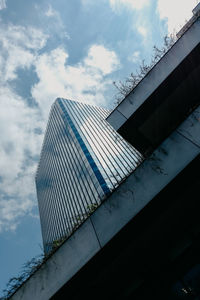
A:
(73, 49)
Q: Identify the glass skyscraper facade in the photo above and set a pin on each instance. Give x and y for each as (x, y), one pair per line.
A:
(82, 160)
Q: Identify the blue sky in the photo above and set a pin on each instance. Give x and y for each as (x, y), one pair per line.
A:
(73, 49)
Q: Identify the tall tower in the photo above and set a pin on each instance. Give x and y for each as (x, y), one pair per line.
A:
(82, 160)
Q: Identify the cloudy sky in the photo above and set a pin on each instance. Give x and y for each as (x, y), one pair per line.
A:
(73, 49)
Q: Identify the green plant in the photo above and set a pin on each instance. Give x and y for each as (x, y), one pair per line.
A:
(29, 268)
(92, 207)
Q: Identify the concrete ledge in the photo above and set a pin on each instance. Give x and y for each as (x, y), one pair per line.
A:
(156, 76)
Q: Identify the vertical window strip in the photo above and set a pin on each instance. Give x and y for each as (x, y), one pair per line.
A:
(46, 183)
(81, 162)
(67, 183)
(86, 152)
(129, 152)
(101, 147)
(108, 144)
(63, 170)
(52, 213)
(128, 147)
(94, 147)
(76, 176)
(51, 164)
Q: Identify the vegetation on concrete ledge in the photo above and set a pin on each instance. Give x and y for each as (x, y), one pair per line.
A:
(35, 263)
(29, 269)
(124, 88)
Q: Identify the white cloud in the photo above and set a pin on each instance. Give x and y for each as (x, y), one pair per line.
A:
(84, 81)
(142, 30)
(133, 4)
(102, 59)
(2, 4)
(55, 22)
(19, 142)
(16, 58)
(135, 57)
(17, 122)
(176, 12)
(26, 37)
(50, 12)
(18, 47)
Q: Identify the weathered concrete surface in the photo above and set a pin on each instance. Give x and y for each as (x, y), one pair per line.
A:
(173, 155)
(156, 76)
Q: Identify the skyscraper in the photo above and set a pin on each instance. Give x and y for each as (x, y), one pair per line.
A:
(82, 160)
